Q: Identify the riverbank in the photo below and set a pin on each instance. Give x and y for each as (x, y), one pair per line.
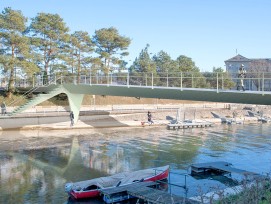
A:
(124, 116)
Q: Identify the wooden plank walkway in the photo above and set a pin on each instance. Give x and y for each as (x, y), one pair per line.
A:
(142, 190)
(218, 166)
(125, 188)
(183, 125)
(159, 197)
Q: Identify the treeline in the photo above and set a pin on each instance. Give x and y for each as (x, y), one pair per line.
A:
(44, 45)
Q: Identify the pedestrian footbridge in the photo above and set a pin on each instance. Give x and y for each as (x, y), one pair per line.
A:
(76, 93)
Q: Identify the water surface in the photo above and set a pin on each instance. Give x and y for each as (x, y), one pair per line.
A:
(35, 165)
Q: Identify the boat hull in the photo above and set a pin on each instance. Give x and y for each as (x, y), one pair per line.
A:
(85, 194)
(80, 194)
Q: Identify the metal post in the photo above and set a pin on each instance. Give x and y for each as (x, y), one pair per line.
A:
(222, 78)
(167, 78)
(152, 80)
(90, 77)
(217, 82)
(181, 81)
(192, 81)
(97, 77)
(128, 80)
(146, 80)
(108, 79)
(263, 83)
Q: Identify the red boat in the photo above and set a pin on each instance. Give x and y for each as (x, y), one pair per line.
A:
(91, 188)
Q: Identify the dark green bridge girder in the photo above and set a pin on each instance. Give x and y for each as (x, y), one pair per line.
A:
(76, 92)
(247, 97)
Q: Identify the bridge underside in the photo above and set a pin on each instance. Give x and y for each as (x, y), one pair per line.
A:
(76, 92)
(247, 97)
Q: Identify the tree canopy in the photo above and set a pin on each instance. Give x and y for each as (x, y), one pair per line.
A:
(14, 45)
(46, 46)
(110, 46)
(48, 34)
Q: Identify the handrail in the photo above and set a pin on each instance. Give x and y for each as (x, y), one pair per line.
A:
(218, 81)
(29, 92)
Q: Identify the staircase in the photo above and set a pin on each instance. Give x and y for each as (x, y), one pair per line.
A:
(37, 100)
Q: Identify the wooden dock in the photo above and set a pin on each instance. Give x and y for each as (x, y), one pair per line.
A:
(143, 191)
(125, 188)
(219, 167)
(151, 195)
(189, 124)
(119, 193)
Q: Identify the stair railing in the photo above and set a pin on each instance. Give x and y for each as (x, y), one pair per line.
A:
(30, 91)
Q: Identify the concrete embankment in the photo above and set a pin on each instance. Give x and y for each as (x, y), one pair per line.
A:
(120, 117)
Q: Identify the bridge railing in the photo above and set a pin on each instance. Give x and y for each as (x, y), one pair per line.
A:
(255, 81)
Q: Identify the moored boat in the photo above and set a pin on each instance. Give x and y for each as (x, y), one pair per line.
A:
(91, 188)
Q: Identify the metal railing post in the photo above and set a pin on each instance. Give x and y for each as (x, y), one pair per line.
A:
(90, 77)
(263, 84)
(192, 80)
(97, 78)
(217, 82)
(167, 79)
(181, 81)
(152, 80)
(108, 79)
(128, 80)
(146, 76)
(222, 78)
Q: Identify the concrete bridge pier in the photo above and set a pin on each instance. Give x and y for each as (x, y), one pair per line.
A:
(75, 101)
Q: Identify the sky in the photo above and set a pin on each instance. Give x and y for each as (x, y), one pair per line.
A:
(208, 31)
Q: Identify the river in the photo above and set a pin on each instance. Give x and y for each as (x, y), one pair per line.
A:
(35, 165)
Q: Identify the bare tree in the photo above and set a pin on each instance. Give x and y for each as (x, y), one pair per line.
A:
(258, 71)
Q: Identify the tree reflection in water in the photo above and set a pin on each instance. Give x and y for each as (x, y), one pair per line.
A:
(35, 165)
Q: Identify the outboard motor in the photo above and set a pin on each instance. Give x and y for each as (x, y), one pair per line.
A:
(68, 187)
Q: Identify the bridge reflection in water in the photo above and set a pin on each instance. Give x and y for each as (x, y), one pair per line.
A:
(36, 167)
